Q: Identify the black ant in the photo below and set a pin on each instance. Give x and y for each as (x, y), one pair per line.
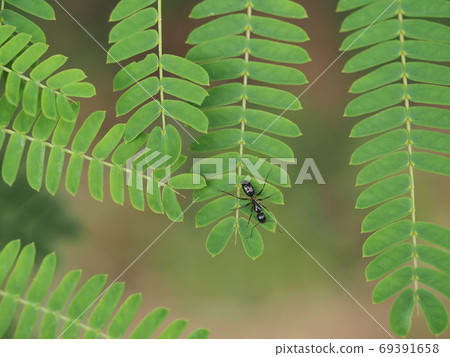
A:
(257, 206)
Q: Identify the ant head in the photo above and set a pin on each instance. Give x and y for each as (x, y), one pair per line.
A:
(248, 188)
(261, 217)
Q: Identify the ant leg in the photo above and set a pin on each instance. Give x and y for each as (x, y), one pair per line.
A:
(276, 224)
(264, 184)
(256, 225)
(266, 207)
(240, 207)
(230, 194)
(265, 198)
(251, 214)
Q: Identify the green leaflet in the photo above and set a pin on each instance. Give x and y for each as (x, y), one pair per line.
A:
(430, 117)
(392, 284)
(433, 163)
(401, 313)
(389, 260)
(364, 16)
(277, 30)
(435, 280)
(187, 182)
(150, 323)
(381, 76)
(435, 313)
(80, 90)
(251, 240)
(96, 180)
(381, 145)
(174, 330)
(13, 155)
(434, 257)
(427, 51)
(136, 95)
(379, 32)
(64, 78)
(187, 114)
(219, 236)
(278, 52)
(184, 90)
(171, 205)
(383, 167)
(88, 131)
(124, 316)
(386, 214)
(376, 100)
(238, 47)
(431, 140)
(74, 171)
(398, 41)
(387, 119)
(215, 210)
(133, 45)
(434, 234)
(185, 69)
(275, 74)
(383, 191)
(142, 119)
(283, 8)
(428, 73)
(211, 7)
(426, 30)
(135, 71)
(139, 21)
(374, 56)
(104, 148)
(387, 237)
(229, 25)
(35, 164)
(54, 169)
(38, 8)
(23, 25)
(164, 143)
(30, 56)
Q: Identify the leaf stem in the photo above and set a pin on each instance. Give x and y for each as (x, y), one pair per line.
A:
(160, 53)
(27, 79)
(244, 107)
(57, 314)
(409, 147)
(86, 157)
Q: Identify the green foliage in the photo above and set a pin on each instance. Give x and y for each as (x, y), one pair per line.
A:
(39, 115)
(250, 50)
(403, 53)
(37, 8)
(29, 310)
(160, 75)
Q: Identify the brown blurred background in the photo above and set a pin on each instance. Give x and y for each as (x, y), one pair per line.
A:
(284, 294)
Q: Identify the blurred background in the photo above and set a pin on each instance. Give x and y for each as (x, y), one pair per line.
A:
(284, 294)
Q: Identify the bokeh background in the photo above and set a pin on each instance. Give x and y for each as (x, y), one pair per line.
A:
(284, 294)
